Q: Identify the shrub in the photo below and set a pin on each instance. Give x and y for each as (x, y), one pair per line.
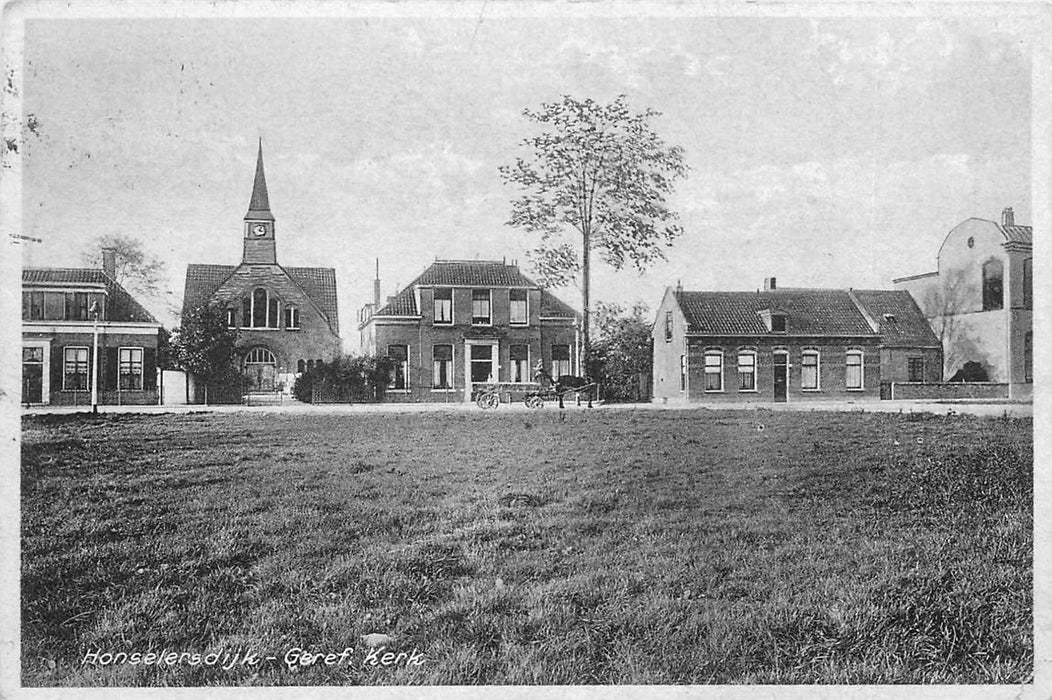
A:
(347, 379)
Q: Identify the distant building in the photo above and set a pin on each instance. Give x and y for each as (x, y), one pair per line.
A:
(462, 323)
(59, 307)
(789, 344)
(980, 300)
(286, 316)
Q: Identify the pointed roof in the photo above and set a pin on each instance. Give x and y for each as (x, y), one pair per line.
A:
(259, 206)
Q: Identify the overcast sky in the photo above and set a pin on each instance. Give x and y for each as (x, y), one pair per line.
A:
(832, 152)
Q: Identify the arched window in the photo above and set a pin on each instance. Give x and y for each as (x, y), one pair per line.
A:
(259, 356)
(310, 365)
(1028, 283)
(231, 317)
(246, 312)
(993, 285)
(300, 366)
(259, 308)
(272, 313)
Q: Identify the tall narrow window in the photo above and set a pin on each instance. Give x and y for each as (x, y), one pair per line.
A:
(993, 285)
(301, 365)
(33, 306)
(747, 371)
(443, 367)
(1028, 357)
(231, 317)
(480, 311)
(75, 369)
(272, 313)
(915, 369)
(246, 312)
(77, 306)
(853, 370)
(259, 308)
(560, 361)
(810, 379)
(130, 360)
(443, 306)
(668, 326)
(1028, 283)
(519, 312)
(682, 372)
(399, 355)
(714, 371)
(292, 317)
(520, 363)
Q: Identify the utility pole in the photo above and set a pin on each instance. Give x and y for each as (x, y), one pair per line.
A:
(95, 358)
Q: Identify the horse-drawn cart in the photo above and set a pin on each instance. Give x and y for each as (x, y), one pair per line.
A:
(535, 394)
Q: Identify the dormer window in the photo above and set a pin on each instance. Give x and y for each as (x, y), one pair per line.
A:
(778, 323)
(889, 318)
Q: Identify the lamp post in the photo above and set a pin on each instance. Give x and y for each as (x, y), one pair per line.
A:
(95, 357)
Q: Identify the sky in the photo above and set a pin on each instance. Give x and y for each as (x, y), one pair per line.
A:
(833, 152)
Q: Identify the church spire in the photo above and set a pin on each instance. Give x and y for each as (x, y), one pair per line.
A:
(259, 206)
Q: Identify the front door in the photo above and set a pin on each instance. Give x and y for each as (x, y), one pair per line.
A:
(482, 364)
(32, 374)
(781, 375)
(260, 367)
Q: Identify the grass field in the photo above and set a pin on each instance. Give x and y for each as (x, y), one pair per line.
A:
(558, 548)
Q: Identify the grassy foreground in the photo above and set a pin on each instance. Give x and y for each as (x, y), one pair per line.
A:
(512, 548)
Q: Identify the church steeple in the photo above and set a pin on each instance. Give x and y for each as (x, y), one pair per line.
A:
(259, 222)
(259, 206)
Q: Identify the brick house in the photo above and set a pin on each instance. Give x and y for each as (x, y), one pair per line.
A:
(286, 316)
(58, 338)
(789, 344)
(461, 323)
(980, 300)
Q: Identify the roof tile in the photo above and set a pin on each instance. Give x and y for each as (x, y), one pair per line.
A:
(120, 305)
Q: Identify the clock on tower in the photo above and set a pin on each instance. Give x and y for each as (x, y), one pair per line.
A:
(259, 222)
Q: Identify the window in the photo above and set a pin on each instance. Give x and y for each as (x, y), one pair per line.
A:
(519, 312)
(809, 371)
(259, 308)
(482, 363)
(480, 307)
(54, 306)
(682, 372)
(520, 363)
(399, 355)
(778, 323)
(77, 306)
(560, 361)
(292, 317)
(853, 378)
(668, 326)
(915, 369)
(1028, 358)
(33, 306)
(130, 361)
(443, 306)
(747, 371)
(443, 368)
(75, 369)
(714, 371)
(300, 366)
(1028, 283)
(272, 313)
(231, 317)
(310, 365)
(246, 311)
(260, 356)
(993, 285)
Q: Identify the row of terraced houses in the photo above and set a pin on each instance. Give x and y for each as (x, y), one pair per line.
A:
(463, 323)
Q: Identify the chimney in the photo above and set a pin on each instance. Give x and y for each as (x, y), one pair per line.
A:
(376, 286)
(679, 286)
(390, 299)
(769, 284)
(1007, 217)
(109, 262)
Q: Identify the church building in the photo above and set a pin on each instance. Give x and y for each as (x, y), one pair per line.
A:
(286, 316)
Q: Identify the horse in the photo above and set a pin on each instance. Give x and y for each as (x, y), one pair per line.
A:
(565, 383)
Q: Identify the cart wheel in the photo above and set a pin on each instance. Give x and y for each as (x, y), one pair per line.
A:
(535, 402)
(489, 401)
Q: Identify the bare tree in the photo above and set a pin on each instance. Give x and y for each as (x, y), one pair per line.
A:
(601, 171)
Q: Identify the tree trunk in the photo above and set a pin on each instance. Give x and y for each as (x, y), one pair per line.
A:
(586, 350)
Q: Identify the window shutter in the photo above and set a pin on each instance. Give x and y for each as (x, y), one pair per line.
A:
(109, 374)
(149, 369)
(55, 370)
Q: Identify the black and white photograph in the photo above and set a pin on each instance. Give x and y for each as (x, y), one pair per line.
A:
(568, 347)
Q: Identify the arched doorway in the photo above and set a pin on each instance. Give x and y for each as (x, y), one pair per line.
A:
(260, 368)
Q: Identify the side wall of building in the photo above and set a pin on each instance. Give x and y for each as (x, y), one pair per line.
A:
(670, 352)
